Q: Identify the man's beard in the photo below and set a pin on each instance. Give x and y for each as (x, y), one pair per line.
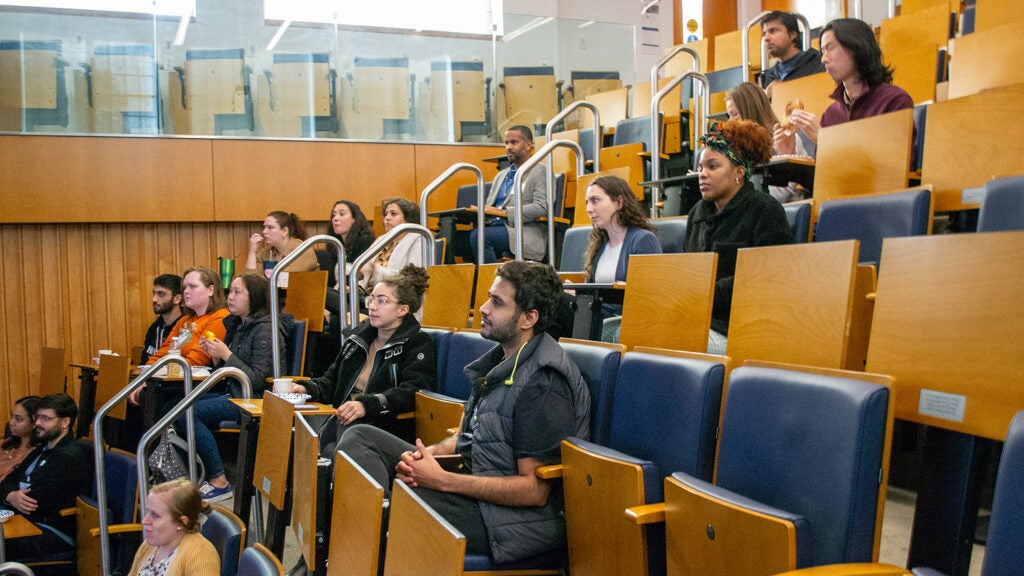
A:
(163, 309)
(47, 436)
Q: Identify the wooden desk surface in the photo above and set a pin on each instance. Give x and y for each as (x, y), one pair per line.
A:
(86, 365)
(254, 407)
(19, 527)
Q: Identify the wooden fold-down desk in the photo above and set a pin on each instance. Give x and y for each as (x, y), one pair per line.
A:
(587, 321)
(16, 526)
(249, 430)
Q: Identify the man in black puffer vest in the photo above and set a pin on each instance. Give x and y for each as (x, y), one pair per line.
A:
(528, 396)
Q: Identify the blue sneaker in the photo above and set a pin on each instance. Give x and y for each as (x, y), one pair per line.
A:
(211, 493)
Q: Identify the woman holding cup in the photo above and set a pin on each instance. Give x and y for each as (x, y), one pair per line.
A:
(247, 346)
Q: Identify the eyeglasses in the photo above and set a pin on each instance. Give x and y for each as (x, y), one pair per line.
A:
(44, 418)
(381, 301)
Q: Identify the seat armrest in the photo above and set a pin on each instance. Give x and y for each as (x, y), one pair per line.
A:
(406, 416)
(549, 472)
(858, 569)
(68, 511)
(117, 529)
(647, 514)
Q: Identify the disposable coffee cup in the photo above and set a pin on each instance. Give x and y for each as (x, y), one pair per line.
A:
(282, 385)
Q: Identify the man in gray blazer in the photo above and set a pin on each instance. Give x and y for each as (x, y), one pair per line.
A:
(499, 231)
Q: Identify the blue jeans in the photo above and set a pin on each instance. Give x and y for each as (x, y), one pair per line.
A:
(210, 410)
(495, 241)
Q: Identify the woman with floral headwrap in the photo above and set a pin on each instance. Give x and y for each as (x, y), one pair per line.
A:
(732, 215)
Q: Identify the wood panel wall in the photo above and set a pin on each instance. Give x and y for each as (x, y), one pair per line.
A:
(72, 278)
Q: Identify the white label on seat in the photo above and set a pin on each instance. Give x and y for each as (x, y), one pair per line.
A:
(972, 195)
(266, 485)
(298, 533)
(942, 405)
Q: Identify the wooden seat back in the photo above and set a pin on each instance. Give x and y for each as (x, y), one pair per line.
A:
(947, 307)
(485, 274)
(924, 28)
(853, 160)
(307, 292)
(813, 91)
(449, 295)
(418, 536)
(112, 379)
(794, 304)
(987, 59)
(357, 516)
(274, 449)
(52, 379)
(304, 500)
(957, 160)
(668, 301)
(436, 415)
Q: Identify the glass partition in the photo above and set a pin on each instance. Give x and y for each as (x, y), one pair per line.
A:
(255, 69)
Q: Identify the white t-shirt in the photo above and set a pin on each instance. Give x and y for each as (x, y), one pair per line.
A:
(604, 272)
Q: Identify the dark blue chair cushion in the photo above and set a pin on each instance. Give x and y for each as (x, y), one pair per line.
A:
(1004, 553)
(442, 339)
(1002, 208)
(665, 410)
(799, 217)
(871, 219)
(671, 234)
(809, 444)
(553, 560)
(463, 348)
(600, 368)
(226, 536)
(573, 246)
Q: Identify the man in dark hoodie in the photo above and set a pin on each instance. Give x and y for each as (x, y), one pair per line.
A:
(528, 396)
(781, 36)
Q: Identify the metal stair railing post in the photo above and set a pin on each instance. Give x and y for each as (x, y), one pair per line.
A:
(517, 187)
(480, 200)
(376, 248)
(701, 106)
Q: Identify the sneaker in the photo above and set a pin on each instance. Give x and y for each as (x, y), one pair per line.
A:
(211, 493)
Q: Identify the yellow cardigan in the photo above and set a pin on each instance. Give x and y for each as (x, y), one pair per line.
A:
(195, 557)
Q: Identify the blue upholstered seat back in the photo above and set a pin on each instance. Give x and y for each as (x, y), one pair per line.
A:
(874, 218)
(811, 445)
(224, 531)
(573, 246)
(463, 348)
(665, 410)
(255, 562)
(633, 130)
(294, 352)
(467, 195)
(600, 368)
(1003, 205)
(671, 234)
(121, 469)
(442, 339)
(1004, 553)
(798, 214)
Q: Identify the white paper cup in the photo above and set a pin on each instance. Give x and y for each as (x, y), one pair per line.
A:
(282, 385)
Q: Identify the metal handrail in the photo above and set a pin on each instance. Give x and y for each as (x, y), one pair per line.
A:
(667, 58)
(517, 187)
(480, 200)
(745, 43)
(376, 248)
(183, 405)
(98, 451)
(701, 106)
(275, 337)
(598, 131)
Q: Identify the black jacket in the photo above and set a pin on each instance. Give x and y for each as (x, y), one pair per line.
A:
(807, 62)
(62, 473)
(252, 351)
(750, 219)
(404, 365)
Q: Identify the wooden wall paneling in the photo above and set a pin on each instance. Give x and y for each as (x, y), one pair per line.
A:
(168, 179)
(253, 178)
(13, 314)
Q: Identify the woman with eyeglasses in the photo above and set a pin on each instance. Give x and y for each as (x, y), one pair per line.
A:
(383, 361)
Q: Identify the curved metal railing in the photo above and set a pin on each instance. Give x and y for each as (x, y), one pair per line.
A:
(517, 187)
(598, 131)
(275, 310)
(480, 200)
(185, 404)
(98, 451)
(376, 248)
(701, 106)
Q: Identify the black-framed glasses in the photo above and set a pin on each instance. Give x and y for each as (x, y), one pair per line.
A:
(44, 418)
